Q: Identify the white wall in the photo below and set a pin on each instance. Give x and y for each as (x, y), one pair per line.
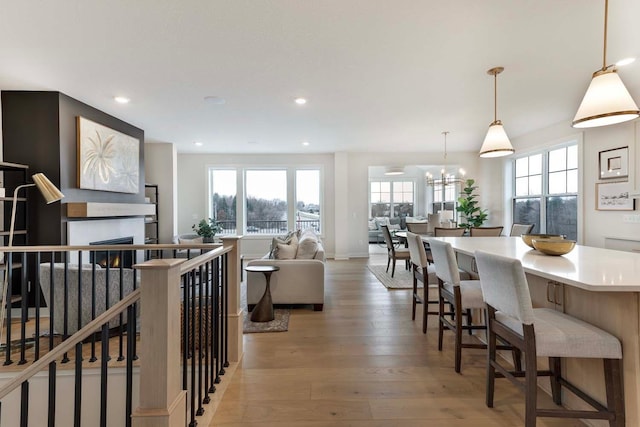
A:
(160, 164)
(193, 187)
(595, 225)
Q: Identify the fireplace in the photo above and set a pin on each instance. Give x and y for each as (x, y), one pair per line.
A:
(113, 258)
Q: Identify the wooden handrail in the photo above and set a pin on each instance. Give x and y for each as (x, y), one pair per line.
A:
(202, 259)
(69, 343)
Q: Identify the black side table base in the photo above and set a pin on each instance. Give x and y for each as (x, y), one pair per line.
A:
(263, 311)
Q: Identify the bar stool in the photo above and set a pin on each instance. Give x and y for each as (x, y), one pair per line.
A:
(420, 270)
(464, 295)
(542, 332)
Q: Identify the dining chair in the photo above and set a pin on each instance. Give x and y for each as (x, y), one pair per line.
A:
(433, 221)
(544, 332)
(464, 295)
(393, 253)
(485, 231)
(444, 232)
(418, 227)
(518, 230)
(421, 271)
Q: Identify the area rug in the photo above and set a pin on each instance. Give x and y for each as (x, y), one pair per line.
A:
(279, 324)
(400, 280)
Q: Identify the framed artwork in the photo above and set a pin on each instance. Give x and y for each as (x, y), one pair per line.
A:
(614, 163)
(614, 196)
(108, 160)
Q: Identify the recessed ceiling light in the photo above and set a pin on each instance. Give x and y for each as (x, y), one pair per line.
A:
(215, 100)
(625, 61)
(121, 99)
(305, 143)
(300, 101)
(198, 144)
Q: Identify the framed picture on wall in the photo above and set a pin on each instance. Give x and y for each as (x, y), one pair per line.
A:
(614, 196)
(614, 163)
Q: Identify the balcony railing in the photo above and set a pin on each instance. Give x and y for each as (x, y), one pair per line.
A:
(269, 227)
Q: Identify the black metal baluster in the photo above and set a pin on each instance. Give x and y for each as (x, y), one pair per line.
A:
(77, 405)
(216, 331)
(65, 313)
(185, 330)
(7, 313)
(192, 335)
(131, 337)
(225, 289)
(51, 303)
(121, 319)
(135, 306)
(103, 374)
(93, 303)
(201, 317)
(51, 405)
(24, 307)
(207, 332)
(24, 404)
(38, 302)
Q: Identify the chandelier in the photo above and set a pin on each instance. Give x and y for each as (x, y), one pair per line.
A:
(446, 178)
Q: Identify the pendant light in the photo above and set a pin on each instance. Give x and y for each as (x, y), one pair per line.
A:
(607, 100)
(496, 143)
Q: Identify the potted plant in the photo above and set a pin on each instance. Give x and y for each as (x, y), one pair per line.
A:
(207, 228)
(473, 215)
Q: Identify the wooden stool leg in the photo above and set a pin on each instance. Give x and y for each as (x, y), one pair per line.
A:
(491, 370)
(425, 305)
(531, 377)
(469, 321)
(556, 373)
(458, 320)
(615, 390)
(440, 318)
(413, 297)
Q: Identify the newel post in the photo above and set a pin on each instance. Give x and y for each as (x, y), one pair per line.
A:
(235, 311)
(162, 401)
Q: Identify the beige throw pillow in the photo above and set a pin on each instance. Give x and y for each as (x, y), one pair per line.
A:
(284, 251)
(307, 246)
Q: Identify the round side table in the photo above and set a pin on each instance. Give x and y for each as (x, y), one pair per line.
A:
(263, 311)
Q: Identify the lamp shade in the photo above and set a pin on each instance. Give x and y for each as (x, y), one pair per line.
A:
(496, 143)
(49, 191)
(606, 102)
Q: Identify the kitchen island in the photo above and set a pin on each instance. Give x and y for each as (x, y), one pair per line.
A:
(599, 286)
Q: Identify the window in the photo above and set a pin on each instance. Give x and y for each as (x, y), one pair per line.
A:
(223, 199)
(448, 203)
(391, 198)
(545, 191)
(268, 199)
(308, 199)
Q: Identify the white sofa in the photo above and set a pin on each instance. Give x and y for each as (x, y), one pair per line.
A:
(299, 281)
(86, 287)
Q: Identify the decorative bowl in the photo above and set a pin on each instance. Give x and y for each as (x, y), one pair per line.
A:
(553, 247)
(528, 237)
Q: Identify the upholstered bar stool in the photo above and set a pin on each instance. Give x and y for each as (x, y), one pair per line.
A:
(542, 332)
(421, 271)
(464, 295)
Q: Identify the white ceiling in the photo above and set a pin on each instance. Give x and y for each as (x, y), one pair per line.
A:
(379, 75)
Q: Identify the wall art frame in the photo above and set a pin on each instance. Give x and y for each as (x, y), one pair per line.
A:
(614, 196)
(108, 160)
(614, 163)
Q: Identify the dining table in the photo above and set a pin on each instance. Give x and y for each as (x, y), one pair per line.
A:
(597, 285)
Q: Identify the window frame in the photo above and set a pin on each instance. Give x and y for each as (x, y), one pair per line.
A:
(545, 195)
(391, 202)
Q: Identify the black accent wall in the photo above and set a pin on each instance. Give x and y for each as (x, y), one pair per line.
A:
(39, 130)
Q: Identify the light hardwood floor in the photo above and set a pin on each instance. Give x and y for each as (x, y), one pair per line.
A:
(363, 362)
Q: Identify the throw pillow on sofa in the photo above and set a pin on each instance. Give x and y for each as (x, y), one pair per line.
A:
(307, 246)
(288, 239)
(285, 249)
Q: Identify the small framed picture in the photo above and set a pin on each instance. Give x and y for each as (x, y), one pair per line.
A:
(614, 163)
(614, 196)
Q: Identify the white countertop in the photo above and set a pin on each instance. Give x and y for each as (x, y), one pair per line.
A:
(585, 267)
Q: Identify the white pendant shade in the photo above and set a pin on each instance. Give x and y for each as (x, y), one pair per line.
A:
(606, 102)
(496, 143)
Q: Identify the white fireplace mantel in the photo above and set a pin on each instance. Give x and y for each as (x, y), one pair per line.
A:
(98, 210)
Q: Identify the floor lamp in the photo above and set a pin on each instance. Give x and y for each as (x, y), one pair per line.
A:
(51, 194)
